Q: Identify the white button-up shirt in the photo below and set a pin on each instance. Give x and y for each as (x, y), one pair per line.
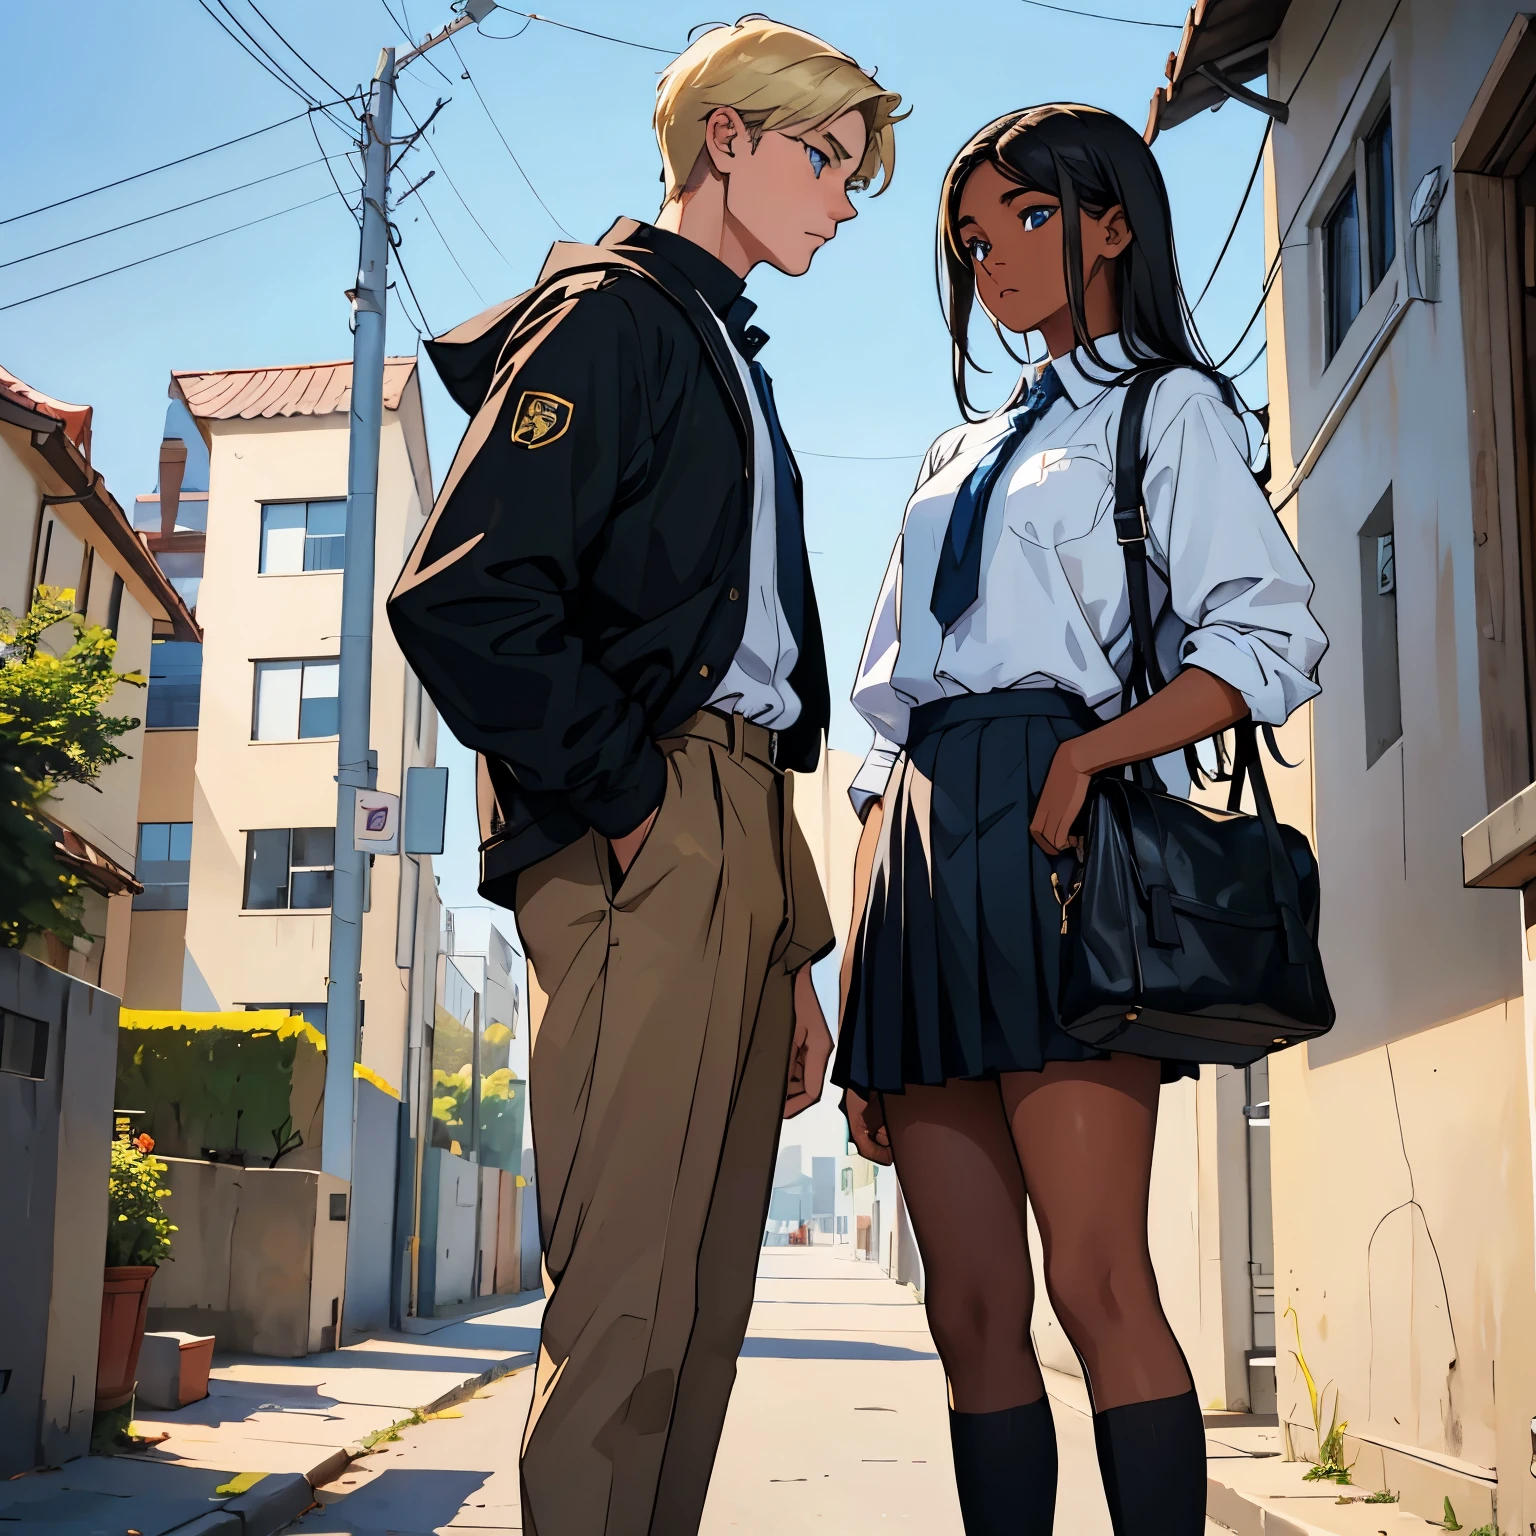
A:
(1229, 592)
(757, 682)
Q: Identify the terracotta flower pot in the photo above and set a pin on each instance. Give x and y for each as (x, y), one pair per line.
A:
(124, 1304)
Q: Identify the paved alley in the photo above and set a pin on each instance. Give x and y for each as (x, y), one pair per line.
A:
(837, 1424)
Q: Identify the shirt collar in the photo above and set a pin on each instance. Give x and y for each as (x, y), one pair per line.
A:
(1082, 378)
(717, 285)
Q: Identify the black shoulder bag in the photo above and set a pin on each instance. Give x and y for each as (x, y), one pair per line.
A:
(1194, 933)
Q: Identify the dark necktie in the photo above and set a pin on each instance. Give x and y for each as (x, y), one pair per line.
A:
(788, 505)
(957, 582)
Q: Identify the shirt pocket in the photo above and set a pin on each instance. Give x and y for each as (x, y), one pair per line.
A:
(1059, 495)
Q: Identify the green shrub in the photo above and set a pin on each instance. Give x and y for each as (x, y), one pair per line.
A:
(52, 732)
(138, 1230)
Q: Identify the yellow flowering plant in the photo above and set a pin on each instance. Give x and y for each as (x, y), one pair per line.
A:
(138, 1230)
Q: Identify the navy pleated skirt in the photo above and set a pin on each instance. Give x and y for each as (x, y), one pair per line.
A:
(958, 956)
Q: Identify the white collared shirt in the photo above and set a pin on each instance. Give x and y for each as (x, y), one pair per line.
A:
(757, 682)
(1229, 592)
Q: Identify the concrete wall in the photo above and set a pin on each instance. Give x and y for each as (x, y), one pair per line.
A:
(371, 1252)
(55, 1134)
(259, 1262)
(1402, 1190)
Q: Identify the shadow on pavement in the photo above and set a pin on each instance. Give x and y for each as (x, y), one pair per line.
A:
(828, 1349)
(405, 1500)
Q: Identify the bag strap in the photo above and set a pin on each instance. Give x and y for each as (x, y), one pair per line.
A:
(1146, 675)
(1132, 529)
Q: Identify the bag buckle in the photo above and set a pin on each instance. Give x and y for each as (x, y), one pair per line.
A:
(1131, 525)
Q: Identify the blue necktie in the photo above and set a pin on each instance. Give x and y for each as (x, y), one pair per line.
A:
(957, 582)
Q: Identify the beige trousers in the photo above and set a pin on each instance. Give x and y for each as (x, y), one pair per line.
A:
(657, 1086)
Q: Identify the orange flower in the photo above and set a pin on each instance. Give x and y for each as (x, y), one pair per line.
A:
(144, 1142)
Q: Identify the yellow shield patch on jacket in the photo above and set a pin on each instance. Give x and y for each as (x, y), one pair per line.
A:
(540, 419)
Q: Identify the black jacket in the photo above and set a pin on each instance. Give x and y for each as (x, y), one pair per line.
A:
(579, 588)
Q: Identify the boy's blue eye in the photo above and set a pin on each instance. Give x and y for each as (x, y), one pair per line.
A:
(1033, 218)
(819, 161)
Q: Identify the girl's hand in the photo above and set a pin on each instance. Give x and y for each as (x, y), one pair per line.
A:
(1062, 799)
(866, 1126)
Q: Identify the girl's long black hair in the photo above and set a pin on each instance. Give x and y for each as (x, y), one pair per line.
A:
(1090, 161)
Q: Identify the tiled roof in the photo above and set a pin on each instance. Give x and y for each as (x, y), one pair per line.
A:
(1234, 35)
(310, 389)
(76, 418)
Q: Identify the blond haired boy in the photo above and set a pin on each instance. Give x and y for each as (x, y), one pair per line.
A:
(612, 604)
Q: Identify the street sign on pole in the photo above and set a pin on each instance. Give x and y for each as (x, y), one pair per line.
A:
(350, 888)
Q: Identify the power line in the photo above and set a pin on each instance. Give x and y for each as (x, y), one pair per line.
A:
(355, 213)
(421, 313)
(404, 30)
(421, 198)
(1124, 21)
(861, 458)
(325, 197)
(335, 90)
(496, 127)
(197, 154)
(1226, 244)
(1263, 142)
(447, 176)
(259, 55)
(147, 218)
(566, 26)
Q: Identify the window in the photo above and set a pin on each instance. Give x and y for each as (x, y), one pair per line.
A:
(295, 700)
(1378, 632)
(164, 866)
(289, 868)
(1381, 213)
(115, 605)
(1341, 257)
(175, 680)
(184, 568)
(23, 1044)
(303, 536)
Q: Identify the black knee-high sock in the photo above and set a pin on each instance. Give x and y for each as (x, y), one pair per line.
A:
(1005, 1470)
(1152, 1457)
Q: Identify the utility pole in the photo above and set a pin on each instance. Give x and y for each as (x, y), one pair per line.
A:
(349, 888)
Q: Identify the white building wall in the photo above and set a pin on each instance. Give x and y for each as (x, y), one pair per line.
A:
(1401, 1140)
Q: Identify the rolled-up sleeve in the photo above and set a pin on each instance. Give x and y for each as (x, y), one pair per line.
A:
(874, 774)
(1235, 580)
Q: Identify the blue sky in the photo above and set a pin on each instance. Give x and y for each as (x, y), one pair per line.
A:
(858, 350)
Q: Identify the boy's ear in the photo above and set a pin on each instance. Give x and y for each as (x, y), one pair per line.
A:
(725, 138)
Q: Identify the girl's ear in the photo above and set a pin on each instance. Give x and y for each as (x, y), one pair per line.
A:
(1113, 232)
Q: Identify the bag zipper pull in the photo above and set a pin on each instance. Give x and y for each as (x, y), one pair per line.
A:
(1066, 901)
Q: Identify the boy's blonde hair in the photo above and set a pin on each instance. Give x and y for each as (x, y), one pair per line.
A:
(780, 80)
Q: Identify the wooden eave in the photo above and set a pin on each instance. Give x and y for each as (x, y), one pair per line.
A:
(1232, 35)
(65, 472)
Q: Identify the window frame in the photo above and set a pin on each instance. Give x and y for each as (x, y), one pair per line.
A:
(1334, 331)
(140, 903)
(305, 569)
(251, 833)
(149, 694)
(1366, 160)
(1379, 213)
(263, 667)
